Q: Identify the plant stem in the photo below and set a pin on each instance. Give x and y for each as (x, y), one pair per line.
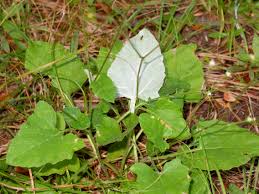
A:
(96, 151)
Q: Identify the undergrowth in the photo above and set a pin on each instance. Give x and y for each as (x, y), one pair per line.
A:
(129, 97)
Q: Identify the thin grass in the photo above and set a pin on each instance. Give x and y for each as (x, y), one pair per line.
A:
(84, 29)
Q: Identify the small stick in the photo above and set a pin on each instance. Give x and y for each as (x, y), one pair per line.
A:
(32, 181)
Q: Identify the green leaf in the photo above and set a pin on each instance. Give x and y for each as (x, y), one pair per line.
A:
(131, 121)
(103, 88)
(3, 165)
(75, 118)
(255, 46)
(4, 45)
(99, 112)
(154, 131)
(60, 168)
(61, 124)
(117, 150)
(169, 113)
(39, 142)
(15, 33)
(152, 150)
(106, 57)
(69, 68)
(107, 131)
(184, 73)
(220, 145)
(13, 30)
(138, 70)
(233, 189)
(173, 179)
(199, 183)
(243, 55)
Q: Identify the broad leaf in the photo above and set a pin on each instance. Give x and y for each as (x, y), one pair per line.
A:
(107, 131)
(173, 179)
(220, 145)
(72, 165)
(184, 73)
(138, 70)
(62, 65)
(199, 183)
(154, 131)
(40, 142)
(103, 88)
(75, 118)
(169, 113)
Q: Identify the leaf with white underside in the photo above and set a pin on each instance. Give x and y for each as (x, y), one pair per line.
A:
(39, 142)
(138, 70)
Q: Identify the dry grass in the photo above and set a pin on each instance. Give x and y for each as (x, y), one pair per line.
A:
(233, 97)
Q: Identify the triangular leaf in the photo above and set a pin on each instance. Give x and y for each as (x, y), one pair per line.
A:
(39, 141)
(138, 70)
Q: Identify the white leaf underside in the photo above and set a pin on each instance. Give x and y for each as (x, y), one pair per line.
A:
(138, 70)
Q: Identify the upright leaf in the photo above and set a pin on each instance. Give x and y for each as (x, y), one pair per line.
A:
(45, 57)
(40, 142)
(173, 179)
(184, 73)
(138, 70)
(220, 145)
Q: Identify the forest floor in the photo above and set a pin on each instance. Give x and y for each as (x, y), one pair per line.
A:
(222, 31)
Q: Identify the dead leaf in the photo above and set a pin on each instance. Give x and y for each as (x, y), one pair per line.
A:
(229, 97)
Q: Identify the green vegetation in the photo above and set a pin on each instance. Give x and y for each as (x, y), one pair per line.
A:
(129, 97)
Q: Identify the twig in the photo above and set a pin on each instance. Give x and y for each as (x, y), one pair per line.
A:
(32, 181)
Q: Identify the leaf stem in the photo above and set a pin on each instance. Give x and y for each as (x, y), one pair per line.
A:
(96, 151)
